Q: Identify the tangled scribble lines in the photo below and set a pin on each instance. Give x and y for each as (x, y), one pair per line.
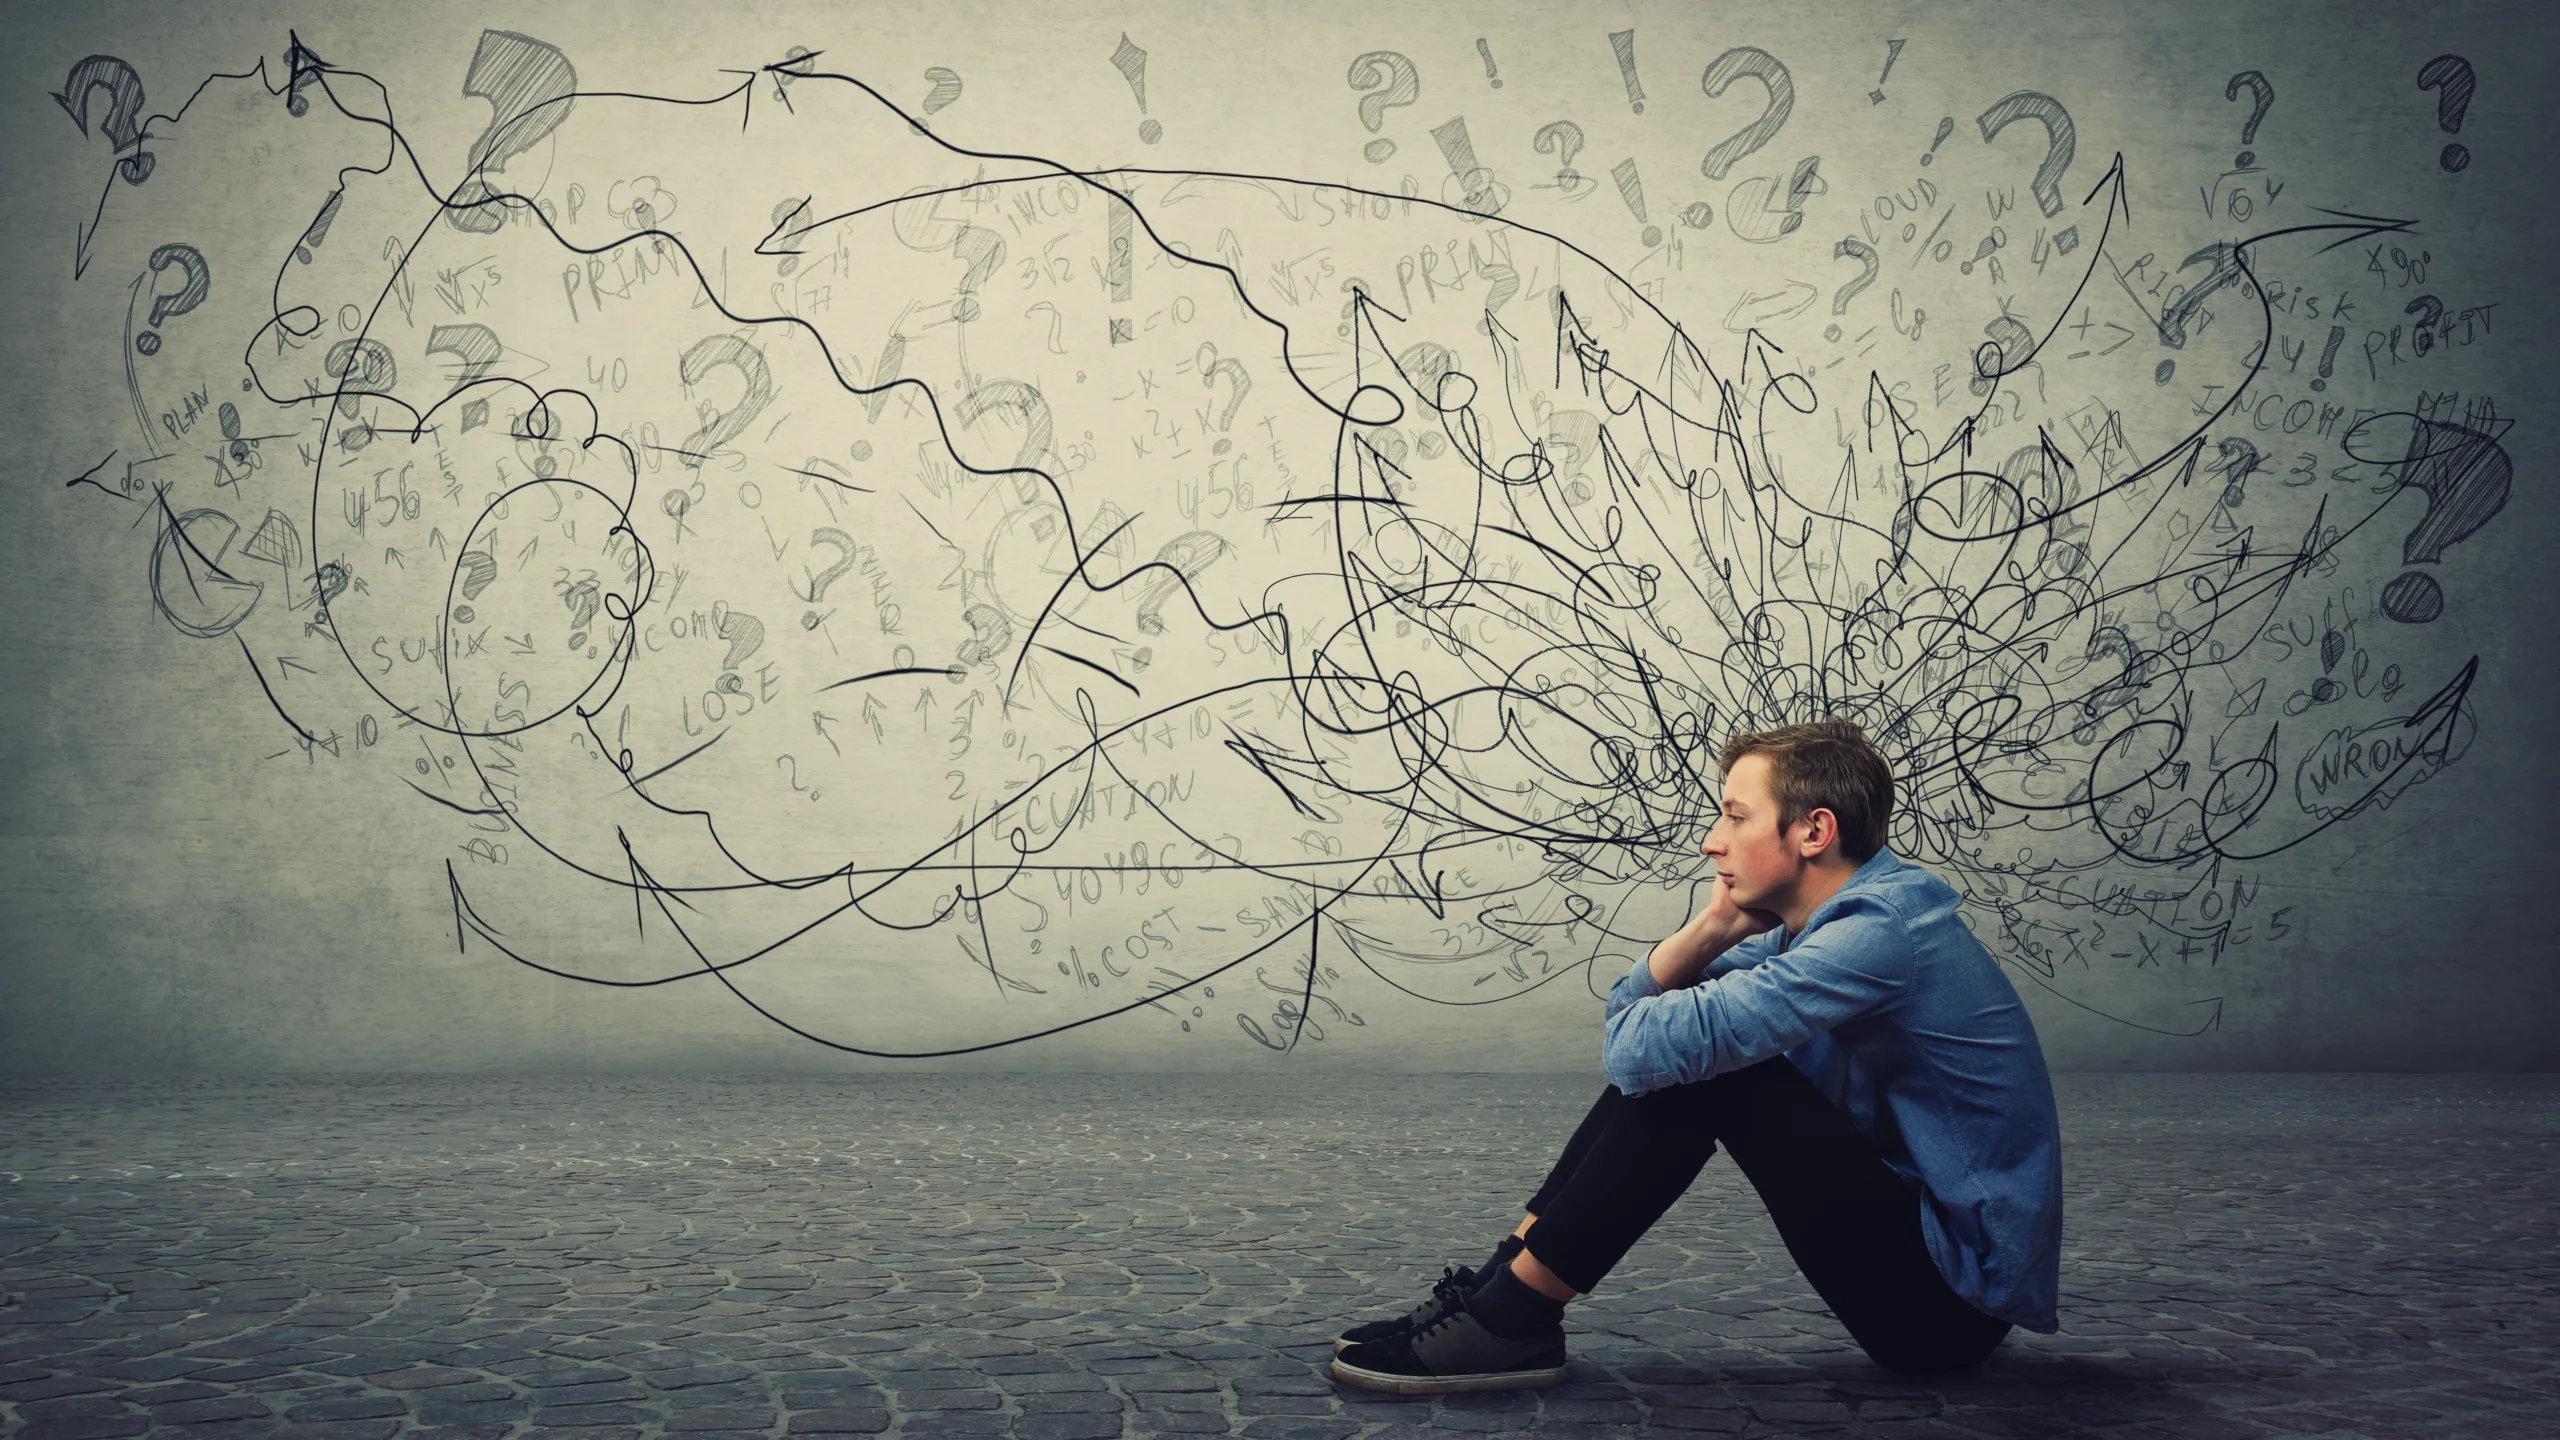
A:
(946, 597)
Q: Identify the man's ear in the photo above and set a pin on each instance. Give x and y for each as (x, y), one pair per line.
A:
(1821, 830)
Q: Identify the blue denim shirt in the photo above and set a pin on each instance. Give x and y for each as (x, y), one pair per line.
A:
(1894, 1010)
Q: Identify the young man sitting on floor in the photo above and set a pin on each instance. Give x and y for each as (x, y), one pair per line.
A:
(1828, 1020)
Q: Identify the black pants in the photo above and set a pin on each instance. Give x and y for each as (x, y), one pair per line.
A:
(1851, 1222)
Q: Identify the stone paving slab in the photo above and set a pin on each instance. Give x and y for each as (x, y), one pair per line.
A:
(1074, 1258)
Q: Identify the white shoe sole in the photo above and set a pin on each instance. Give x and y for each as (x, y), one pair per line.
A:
(1385, 1383)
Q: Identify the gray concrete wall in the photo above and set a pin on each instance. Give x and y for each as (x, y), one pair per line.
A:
(2223, 786)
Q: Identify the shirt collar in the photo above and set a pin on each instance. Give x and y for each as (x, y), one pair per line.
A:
(1883, 862)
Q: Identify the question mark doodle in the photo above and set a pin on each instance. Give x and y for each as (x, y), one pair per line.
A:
(2226, 272)
(2451, 77)
(199, 284)
(1038, 426)
(1760, 65)
(2266, 93)
(1211, 367)
(123, 125)
(527, 84)
(583, 597)
(946, 88)
(2466, 476)
(2012, 349)
(844, 547)
(1188, 554)
(1852, 248)
(474, 347)
(745, 634)
(479, 570)
(1398, 84)
(2059, 140)
(989, 635)
(1562, 139)
(720, 427)
(920, 225)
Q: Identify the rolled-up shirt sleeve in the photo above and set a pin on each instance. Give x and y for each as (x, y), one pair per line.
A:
(1770, 1001)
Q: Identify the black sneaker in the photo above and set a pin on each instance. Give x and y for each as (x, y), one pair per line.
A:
(1451, 1355)
(1446, 1293)
(1455, 1282)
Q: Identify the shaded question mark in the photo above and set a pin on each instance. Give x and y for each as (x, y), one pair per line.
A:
(474, 347)
(527, 84)
(123, 125)
(990, 634)
(2451, 77)
(745, 634)
(920, 225)
(2466, 476)
(1038, 428)
(1864, 254)
(946, 88)
(478, 569)
(1563, 140)
(199, 284)
(1188, 555)
(2251, 80)
(1211, 367)
(2060, 140)
(1721, 72)
(844, 546)
(1398, 84)
(709, 354)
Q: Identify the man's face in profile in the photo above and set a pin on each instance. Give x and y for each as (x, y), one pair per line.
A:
(1758, 863)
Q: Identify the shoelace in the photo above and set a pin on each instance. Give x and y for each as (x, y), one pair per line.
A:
(1447, 1293)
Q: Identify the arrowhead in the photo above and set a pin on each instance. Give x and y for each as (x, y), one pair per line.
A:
(794, 213)
(2116, 200)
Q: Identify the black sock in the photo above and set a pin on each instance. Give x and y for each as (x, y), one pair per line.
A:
(1511, 1245)
(1509, 1308)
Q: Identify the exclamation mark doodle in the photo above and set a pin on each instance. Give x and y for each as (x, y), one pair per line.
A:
(1116, 273)
(1131, 62)
(319, 230)
(1624, 42)
(1946, 127)
(1486, 51)
(2329, 356)
(1892, 53)
(1631, 190)
(1459, 150)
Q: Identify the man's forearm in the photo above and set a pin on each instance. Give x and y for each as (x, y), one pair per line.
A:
(1682, 957)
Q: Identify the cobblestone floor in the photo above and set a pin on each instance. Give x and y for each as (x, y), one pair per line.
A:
(1058, 1259)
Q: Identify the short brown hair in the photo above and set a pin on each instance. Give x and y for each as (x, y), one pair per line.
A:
(1823, 765)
